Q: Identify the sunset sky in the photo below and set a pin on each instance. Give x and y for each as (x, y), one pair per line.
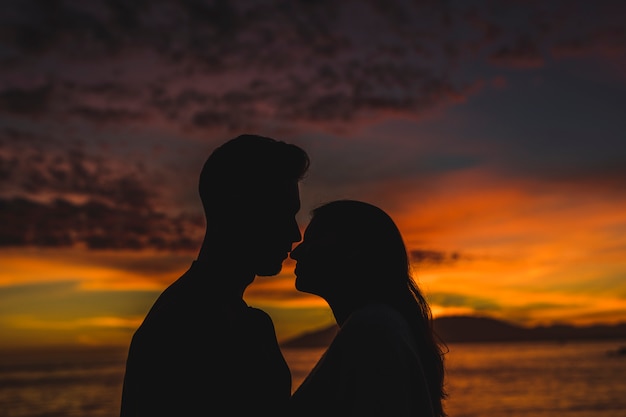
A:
(493, 132)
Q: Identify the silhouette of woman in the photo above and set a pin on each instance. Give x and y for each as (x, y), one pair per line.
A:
(385, 359)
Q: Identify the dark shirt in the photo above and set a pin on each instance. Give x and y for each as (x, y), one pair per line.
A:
(371, 368)
(198, 353)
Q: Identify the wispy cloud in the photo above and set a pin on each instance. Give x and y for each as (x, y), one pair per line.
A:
(433, 257)
(479, 304)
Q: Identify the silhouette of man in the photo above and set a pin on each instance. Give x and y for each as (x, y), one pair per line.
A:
(201, 350)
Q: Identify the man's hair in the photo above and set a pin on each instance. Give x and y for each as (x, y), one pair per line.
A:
(245, 167)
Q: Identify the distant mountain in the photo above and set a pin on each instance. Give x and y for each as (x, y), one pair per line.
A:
(454, 329)
(468, 329)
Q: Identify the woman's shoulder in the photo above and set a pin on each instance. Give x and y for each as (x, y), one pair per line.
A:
(376, 320)
(378, 331)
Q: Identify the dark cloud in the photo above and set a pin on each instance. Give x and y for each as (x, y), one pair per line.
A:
(95, 225)
(71, 173)
(523, 53)
(53, 196)
(296, 61)
(106, 115)
(235, 65)
(479, 304)
(432, 257)
(26, 102)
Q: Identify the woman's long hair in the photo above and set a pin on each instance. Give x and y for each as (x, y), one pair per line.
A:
(383, 274)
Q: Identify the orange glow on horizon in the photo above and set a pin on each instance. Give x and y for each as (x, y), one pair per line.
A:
(93, 270)
(522, 253)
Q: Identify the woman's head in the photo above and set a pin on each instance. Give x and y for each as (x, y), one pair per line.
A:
(353, 254)
(351, 247)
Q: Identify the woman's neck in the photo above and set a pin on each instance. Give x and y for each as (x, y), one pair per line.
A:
(342, 309)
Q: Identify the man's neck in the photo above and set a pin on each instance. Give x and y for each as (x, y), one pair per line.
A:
(225, 273)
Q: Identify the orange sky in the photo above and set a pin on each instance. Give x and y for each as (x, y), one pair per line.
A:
(511, 251)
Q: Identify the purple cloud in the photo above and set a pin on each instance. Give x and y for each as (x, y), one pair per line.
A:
(207, 66)
(95, 225)
(55, 196)
(298, 62)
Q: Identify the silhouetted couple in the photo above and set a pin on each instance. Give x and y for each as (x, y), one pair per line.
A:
(202, 351)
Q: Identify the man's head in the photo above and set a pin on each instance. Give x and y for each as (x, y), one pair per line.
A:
(249, 191)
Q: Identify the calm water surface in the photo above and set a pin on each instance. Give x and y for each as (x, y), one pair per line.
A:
(537, 379)
(490, 380)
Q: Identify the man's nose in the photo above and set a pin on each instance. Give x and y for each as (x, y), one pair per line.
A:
(296, 234)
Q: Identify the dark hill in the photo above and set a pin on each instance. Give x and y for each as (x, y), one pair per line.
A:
(466, 329)
(478, 329)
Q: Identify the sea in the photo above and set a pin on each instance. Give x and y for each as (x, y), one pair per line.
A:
(548, 379)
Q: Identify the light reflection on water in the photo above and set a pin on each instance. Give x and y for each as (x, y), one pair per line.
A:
(524, 379)
(536, 379)
(495, 380)
(71, 383)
